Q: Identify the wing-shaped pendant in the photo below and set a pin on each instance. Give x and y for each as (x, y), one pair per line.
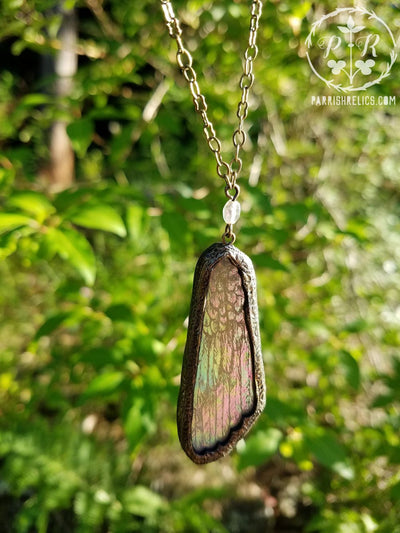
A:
(222, 383)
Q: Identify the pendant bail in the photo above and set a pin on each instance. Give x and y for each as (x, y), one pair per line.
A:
(228, 236)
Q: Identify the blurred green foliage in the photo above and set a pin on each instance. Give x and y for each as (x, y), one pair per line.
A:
(96, 279)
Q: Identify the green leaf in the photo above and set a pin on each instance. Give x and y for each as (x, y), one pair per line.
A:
(104, 384)
(134, 221)
(141, 501)
(51, 324)
(191, 205)
(8, 243)
(198, 496)
(328, 451)
(358, 229)
(259, 447)
(283, 414)
(32, 202)
(102, 217)
(356, 326)
(294, 212)
(301, 10)
(71, 198)
(74, 248)
(383, 400)
(395, 491)
(329, 522)
(120, 312)
(176, 226)
(316, 328)
(98, 357)
(369, 523)
(266, 261)
(261, 200)
(341, 521)
(35, 99)
(138, 421)
(121, 143)
(9, 221)
(351, 369)
(81, 132)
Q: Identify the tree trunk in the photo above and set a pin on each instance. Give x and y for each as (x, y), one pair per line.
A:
(64, 66)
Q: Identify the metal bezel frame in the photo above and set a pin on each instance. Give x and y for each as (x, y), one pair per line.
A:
(204, 267)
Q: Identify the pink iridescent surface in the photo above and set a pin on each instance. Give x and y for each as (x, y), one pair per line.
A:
(223, 393)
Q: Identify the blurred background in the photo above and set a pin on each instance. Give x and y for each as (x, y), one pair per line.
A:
(109, 194)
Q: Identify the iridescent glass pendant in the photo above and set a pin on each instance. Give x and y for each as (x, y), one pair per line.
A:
(222, 383)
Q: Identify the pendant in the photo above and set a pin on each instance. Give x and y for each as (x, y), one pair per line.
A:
(222, 382)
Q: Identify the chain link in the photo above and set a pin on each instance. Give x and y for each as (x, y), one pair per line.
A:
(227, 171)
(228, 237)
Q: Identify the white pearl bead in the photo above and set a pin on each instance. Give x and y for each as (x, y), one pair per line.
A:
(231, 212)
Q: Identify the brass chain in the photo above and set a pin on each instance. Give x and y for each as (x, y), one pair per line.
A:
(228, 171)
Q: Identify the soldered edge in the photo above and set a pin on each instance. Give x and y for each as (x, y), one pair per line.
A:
(204, 266)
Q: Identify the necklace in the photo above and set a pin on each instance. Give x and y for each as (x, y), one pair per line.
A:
(222, 389)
